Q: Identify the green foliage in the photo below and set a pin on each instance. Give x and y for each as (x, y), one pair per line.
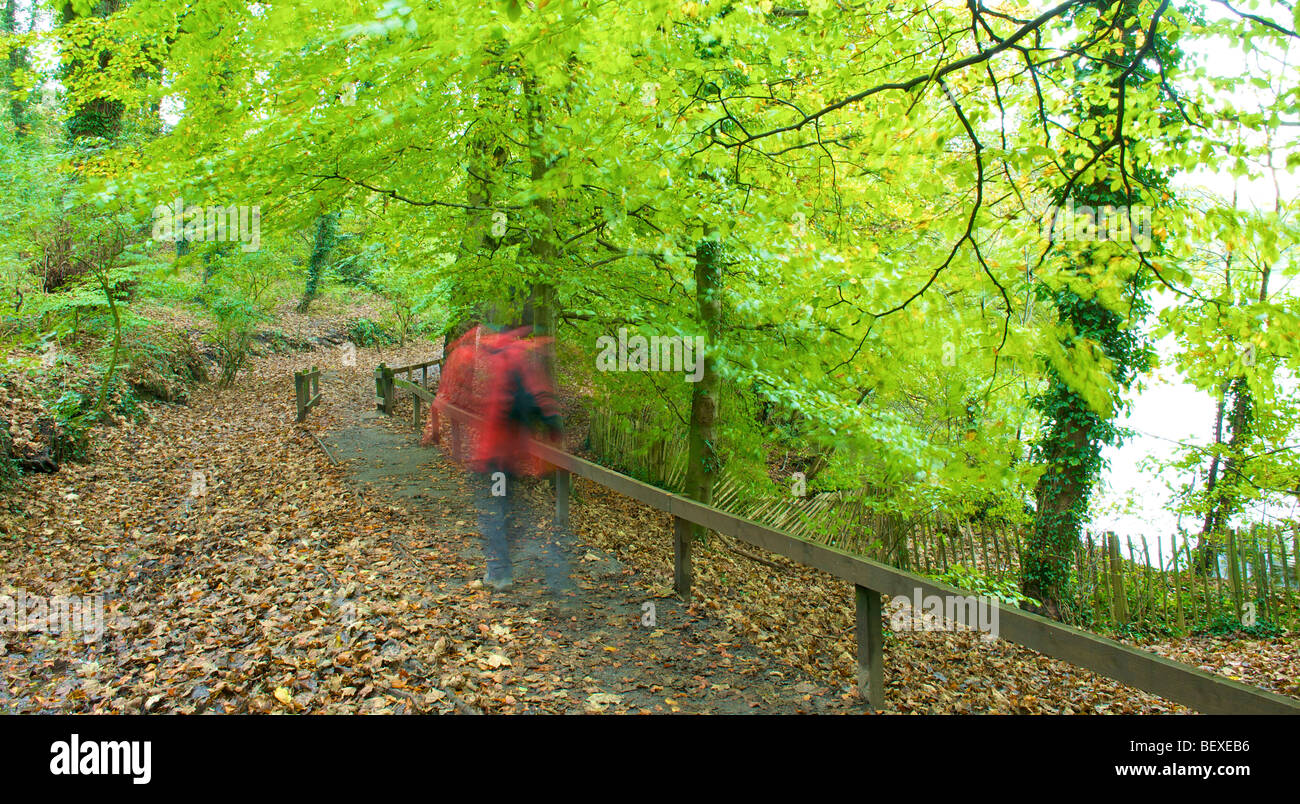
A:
(1007, 591)
(9, 474)
(239, 299)
(364, 332)
(74, 414)
(1146, 629)
(237, 319)
(1238, 346)
(1227, 625)
(352, 266)
(889, 309)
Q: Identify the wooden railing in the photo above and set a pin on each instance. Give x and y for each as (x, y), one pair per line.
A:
(386, 382)
(1137, 668)
(306, 387)
(1256, 574)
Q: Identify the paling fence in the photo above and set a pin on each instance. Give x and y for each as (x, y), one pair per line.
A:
(1253, 579)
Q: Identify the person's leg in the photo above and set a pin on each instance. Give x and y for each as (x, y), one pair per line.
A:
(516, 512)
(493, 512)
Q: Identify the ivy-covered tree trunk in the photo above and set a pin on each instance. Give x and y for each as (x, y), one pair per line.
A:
(1071, 452)
(1074, 436)
(702, 464)
(326, 237)
(1239, 429)
(1203, 544)
(1076, 431)
(92, 117)
(1071, 445)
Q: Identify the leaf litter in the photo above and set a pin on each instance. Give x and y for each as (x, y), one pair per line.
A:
(285, 583)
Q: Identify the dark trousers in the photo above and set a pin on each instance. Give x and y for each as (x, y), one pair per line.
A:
(506, 525)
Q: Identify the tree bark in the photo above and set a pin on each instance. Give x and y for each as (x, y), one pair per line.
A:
(93, 116)
(1060, 496)
(17, 61)
(542, 245)
(702, 465)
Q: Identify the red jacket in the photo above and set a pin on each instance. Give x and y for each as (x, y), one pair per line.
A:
(500, 377)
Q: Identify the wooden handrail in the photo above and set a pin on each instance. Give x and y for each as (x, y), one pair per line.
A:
(405, 369)
(421, 392)
(1144, 670)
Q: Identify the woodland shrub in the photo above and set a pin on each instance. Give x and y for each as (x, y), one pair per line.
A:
(365, 332)
(237, 319)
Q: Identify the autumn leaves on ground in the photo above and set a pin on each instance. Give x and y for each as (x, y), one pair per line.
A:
(248, 564)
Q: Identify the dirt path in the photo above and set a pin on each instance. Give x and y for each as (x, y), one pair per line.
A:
(596, 653)
(273, 580)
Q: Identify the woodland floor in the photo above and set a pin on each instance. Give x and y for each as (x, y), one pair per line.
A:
(297, 585)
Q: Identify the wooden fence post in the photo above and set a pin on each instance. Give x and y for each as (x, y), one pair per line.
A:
(682, 576)
(562, 483)
(1234, 572)
(871, 654)
(306, 388)
(1281, 546)
(1178, 585)
(380, 396)
(1295, 551)
(1119, 603)
(300, 394)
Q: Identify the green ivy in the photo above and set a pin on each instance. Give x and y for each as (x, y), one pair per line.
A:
(1226, 625)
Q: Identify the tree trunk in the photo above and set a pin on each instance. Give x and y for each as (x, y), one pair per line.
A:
(17, 61)
(1061, 497)
(702, 465)
(1204, 545)
(1227, 500)
(326, 237)
(104, 284)
(92, 116)
(1223, 500)
(1072, 443)
(542, 241)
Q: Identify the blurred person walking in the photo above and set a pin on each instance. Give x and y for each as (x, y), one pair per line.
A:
(502, 378)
